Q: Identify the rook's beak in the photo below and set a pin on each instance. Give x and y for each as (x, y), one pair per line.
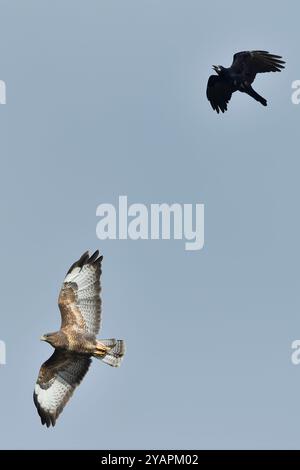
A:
(43, 338)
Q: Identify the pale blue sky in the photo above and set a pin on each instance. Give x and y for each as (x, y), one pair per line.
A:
(106, 98)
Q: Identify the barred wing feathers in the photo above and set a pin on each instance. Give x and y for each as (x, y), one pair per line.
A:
(57, 380)
(79, 299)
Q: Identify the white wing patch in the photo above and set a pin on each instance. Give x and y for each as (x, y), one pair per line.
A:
(87, 280)
(58, 378)
(51, 398)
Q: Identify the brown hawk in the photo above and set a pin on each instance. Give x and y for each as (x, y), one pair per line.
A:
(75, 343)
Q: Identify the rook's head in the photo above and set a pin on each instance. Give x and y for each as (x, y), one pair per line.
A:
(218, 69)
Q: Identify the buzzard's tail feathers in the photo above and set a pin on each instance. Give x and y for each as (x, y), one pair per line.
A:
(110, 351)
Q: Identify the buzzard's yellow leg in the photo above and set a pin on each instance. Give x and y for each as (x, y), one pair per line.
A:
(110, 351)
(101, 350)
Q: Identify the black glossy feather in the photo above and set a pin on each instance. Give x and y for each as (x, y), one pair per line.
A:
(239, 77)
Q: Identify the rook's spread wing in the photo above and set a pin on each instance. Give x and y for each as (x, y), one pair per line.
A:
(253, 62)
(57, 380)
(79, 299)
(218, 93)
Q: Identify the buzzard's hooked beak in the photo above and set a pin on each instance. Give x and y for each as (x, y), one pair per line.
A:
(43, 338)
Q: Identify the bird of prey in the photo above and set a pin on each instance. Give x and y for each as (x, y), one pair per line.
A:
(75, 343)
(240, 76)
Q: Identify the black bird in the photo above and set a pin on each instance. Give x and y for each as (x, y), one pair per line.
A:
(240, 76)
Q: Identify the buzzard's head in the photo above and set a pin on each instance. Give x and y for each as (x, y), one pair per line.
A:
(52, 338)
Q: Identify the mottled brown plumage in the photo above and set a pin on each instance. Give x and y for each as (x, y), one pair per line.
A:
(75, 343)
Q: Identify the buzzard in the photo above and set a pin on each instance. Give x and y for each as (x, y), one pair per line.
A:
(75, 343)
(240, 76)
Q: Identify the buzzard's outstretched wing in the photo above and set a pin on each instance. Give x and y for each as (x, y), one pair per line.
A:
(252, 62)
(79, 299)
(218, 92)
(57, 380)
